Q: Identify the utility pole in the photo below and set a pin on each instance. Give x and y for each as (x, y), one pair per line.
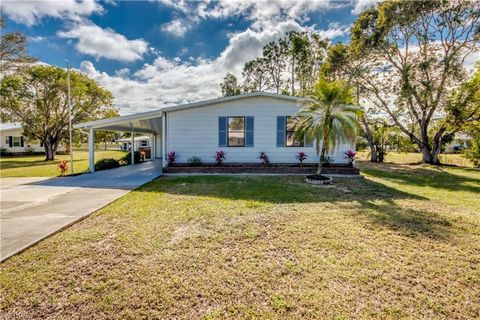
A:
(69, 119)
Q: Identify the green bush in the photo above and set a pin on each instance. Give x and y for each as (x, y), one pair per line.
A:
(127, 159)
(106, 164)
(195, 161)
(473, 151)
(5, 152)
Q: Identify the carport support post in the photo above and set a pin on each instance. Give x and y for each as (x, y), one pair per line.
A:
(91, 151)
(132, 149)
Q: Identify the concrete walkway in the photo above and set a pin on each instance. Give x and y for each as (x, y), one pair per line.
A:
(32, 209)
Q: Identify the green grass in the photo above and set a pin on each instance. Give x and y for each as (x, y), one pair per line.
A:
(409, 157)
(401, 243)
(36, 166)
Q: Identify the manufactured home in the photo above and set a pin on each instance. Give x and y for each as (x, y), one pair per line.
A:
(242, 126)
(13, 141)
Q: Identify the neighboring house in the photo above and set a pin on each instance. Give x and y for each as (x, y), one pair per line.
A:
(13, 141)
(459, 142)
(242, 126)
(140, 142)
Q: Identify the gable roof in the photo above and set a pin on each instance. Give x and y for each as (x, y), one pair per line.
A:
(230, 98)
(10, 126)
(122, 120)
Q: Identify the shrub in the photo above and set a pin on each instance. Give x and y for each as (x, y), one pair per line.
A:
(4, 152)
(171, 156)
(63, 166)
(127, 159)
(264, 158)
(195, 161)
(105, 164)
(473, 151)
(29, 150)
(326, 161)
(301, 156)
(350, 156)
(220, 157)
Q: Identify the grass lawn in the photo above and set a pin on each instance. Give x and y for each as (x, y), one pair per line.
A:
(402, 243)
(404, 157)
(36, 166)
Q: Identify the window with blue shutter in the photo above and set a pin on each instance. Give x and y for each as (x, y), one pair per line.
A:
(281, 131)
(249, 132)
(222, 131)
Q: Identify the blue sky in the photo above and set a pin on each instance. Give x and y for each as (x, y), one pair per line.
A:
(156, 53)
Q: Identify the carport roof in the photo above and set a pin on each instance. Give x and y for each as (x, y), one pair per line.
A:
(142, 122)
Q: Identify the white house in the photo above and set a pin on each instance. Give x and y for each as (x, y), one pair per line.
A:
(13, 141)
(140, 142)
(242, 126)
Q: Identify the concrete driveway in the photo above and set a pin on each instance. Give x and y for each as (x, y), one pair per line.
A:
(32, 209)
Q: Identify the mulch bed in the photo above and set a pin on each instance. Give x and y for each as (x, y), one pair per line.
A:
(253, 168)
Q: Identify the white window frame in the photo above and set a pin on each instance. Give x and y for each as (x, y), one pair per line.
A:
(16, 140)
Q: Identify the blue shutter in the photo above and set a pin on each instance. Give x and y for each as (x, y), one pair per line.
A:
(281, 131)
(21, 141)
(307, 144)
(222, 131)
(10, 141)
(249, 132)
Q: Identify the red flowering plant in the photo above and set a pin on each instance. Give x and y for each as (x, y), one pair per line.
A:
(63, 166)
(264, 158)
(301, 156)
(350, 156)
(220, 157)
(171, 156)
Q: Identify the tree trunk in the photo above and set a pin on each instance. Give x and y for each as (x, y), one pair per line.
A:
(293, 75)
(49, 154)
(426, 154)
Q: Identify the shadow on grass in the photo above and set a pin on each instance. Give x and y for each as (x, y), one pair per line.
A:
(377, 202)
(433, 177)
(11, 164)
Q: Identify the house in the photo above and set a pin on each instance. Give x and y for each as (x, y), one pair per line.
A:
(460, 141)
(140, 142)
(13, 141)
(242, 126)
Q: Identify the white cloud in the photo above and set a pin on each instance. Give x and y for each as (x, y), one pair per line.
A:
(172, 81)
(334, 30)
(31, 12)
(360, 5)
(177, 27)
(105, 43)
(471, 60)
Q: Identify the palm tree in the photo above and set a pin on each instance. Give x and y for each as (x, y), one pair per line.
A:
(328, 116)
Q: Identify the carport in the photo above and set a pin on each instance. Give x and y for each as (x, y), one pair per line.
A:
(150, 123)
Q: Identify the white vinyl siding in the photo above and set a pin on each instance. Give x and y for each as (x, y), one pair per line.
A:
(195, 132)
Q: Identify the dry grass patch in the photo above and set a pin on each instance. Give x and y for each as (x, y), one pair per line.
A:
(402, 243)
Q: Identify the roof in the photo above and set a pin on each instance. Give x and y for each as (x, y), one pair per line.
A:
(10, 126)
(158, 112)
(139, 138)
(230, 98)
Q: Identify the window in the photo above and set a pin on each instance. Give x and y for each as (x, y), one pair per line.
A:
(144, 143)
(16, 141)
(7, 140)
(236, 132)
(290, 140)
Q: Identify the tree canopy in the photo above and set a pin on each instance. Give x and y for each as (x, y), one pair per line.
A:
(406, 59)
(13, 50)
(37, 98)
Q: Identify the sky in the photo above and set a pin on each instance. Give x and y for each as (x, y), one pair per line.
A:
(150, 54)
